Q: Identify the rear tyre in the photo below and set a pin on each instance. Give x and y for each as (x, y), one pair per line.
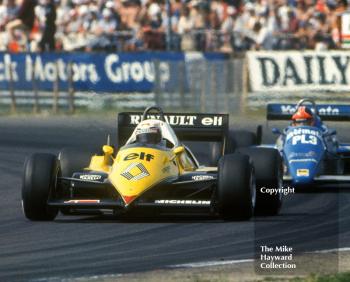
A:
(243, 138)
(39, 184)
(73, 160)
(215, 153)
(236, 187)
(269, 173)
(236, 139)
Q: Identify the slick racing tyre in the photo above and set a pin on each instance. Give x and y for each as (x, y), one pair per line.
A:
(236, 187)
(269, 173)
(242, 139)
(215, 153)
(39, 183)
(236, 139)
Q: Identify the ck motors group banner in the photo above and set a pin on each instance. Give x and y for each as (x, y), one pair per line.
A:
(299, 71)
(98, 72)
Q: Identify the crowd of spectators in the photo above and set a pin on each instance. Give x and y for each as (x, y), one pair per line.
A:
(194, 25)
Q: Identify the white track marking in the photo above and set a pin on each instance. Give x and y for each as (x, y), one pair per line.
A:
(210, 263)
(329, 251)
(78, 279)
(185, 265)
(228, 262)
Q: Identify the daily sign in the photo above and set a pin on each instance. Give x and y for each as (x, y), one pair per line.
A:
(299, 71)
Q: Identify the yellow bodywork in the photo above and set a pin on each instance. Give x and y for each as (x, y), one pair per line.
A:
(137, 169)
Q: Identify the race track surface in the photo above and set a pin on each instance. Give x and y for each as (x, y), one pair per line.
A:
(90, 245)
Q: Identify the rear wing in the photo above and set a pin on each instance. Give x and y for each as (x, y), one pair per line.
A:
(187, 126)
(329, 112)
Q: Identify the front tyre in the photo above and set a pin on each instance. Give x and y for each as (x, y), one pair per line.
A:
(236, 187)
(38, 184)
(269, 173)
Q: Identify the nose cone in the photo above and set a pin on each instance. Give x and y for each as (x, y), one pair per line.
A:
(137, 169)
(303, 151)
(303, 172)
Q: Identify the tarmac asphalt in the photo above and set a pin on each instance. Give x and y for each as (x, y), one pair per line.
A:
(78, 246)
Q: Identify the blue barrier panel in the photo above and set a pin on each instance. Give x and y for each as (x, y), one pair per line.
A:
(97, 72)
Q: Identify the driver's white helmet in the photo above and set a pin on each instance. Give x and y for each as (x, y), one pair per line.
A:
(148, 134)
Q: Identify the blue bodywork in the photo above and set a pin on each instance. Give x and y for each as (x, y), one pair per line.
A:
(312, 153)
(303, 150)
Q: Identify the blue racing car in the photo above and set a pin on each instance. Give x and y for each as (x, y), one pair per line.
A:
(311, 152)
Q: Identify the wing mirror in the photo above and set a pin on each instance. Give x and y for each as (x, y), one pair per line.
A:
(108, 150)
(276, 131)
(179, 150)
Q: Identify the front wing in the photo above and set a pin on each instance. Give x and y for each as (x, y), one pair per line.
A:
(191, 190)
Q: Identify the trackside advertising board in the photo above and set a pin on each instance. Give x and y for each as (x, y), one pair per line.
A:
(299, 71)
(98, 72)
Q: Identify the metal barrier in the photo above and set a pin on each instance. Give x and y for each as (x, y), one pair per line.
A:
(207, 86)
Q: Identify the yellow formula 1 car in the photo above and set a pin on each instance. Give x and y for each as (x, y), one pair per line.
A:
(154, 171)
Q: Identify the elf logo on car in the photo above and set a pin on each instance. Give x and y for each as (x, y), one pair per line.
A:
(141, 156)
(183, 202)
(212, 121)
(90, 177)
(202, 177)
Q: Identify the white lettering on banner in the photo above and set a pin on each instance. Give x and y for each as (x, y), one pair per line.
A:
(6, 67)
(288, 109)
(329, 110)
(136, 71)
(49, 71)
(299, 71)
